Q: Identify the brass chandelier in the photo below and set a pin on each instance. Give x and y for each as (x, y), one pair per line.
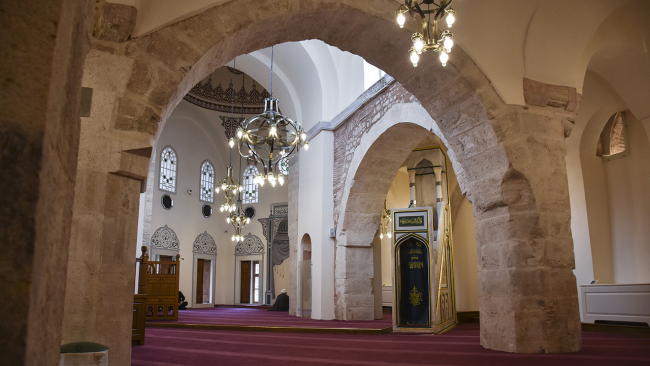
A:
(430, 38)
(268, 138)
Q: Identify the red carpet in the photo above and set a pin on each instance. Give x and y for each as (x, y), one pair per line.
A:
(460, 346)
(262, 317)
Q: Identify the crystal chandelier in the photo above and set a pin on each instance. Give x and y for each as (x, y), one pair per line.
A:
(384, 223)
(429, 39)
(269, 137)
(228, 186)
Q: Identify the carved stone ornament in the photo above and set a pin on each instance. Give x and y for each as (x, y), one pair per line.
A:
(204, 243)
(265, 227)
(251, 245)
(165, 238)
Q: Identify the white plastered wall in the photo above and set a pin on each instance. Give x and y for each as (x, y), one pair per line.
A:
(316, 207)
(196, 135)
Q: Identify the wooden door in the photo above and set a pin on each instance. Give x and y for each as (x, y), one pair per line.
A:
(245, 294)
(198, 298)
(207, 267)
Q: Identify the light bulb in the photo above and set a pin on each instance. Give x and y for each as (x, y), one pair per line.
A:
(450, 18)
(381, 236)
(273, 131)
(389, 235)
(444, 57)
(248, 220)
(221, 209)
(223, 186)
(303, 136)
(217, 189)
(273, 183)
(234, 190)
(237, 218)
(240, 133)
(281, 180)
(401, 19)
(228, 220)
(449, 43)
(231, 142)
(306, 146)
(261, 183)
(414, 58)
(241, 188)
(417, 43)
(233, 238)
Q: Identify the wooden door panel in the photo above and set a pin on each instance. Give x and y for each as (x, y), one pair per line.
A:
(245, 294)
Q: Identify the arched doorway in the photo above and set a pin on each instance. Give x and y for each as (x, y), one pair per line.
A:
(512, 195)
(305, 278)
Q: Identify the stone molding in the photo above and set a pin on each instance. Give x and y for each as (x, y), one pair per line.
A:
(251, 244)
(165, 238)
(204, 243)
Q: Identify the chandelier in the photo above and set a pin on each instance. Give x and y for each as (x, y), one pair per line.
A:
(429, 39)
(384, 223)
(270, 137)
(238, 220)
(228, 186)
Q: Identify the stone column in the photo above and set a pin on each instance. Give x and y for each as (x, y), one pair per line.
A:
(527, 290)
(42, 48)
(112, 165)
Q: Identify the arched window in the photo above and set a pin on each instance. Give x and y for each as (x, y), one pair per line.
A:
(613, 140)
(284, 165)
(250, 187)
(207, 182)
(168, 169)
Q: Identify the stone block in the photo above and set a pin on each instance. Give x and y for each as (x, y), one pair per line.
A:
(491, 162)
(473, 141)
(542, 125)
(171, 49)
(116, 22)
(536, 93)
(135, 116)
(507, 124)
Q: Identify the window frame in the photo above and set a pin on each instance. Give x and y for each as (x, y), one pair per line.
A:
(248, 181)
(160, 170)
(201, 181)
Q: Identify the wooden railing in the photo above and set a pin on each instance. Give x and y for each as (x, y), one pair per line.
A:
(158, 280)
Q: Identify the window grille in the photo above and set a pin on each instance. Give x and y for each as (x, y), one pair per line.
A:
(284, 166)
(207, 182)
(250, 187)
(168, 169)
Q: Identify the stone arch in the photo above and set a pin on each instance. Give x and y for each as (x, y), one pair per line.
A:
(486, 140)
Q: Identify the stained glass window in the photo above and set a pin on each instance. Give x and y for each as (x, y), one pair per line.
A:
(284, 166)
(207, 182)
(168, 169)
(250, 187)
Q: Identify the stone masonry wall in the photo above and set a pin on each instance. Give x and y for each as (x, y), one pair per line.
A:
(348, 135)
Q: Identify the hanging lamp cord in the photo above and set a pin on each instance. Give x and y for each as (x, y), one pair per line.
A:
(271, 71)
(232, 105)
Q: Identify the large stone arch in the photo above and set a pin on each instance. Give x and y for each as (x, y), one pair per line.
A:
(496, 148)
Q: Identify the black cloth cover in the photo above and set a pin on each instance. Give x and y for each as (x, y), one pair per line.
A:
(281, 303)
(414, 284)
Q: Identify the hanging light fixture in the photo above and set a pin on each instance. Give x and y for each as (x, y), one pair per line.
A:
(429, 39)
(270, 137)
(229, 186)
(384, 223)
